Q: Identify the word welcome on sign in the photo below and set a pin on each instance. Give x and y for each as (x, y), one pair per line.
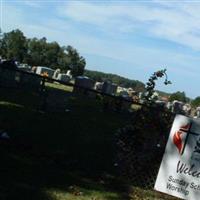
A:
(179, 173)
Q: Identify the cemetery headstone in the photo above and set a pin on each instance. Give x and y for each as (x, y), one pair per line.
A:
(109, 88)
(63, 77)
(83, 82)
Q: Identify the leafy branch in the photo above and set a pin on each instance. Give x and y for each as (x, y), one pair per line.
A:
(150, 85)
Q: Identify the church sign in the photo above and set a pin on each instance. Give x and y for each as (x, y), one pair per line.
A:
(179, 173)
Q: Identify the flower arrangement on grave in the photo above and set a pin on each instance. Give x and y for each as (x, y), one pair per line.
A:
(45, 74)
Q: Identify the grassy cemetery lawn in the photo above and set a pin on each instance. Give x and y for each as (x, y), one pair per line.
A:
(60, 155)
(59, 86)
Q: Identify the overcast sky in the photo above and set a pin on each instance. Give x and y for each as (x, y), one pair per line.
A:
(129, 38)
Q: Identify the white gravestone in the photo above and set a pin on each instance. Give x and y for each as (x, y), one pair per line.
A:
(179, 173)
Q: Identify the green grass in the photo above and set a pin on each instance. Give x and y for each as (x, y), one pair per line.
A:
(137, 193)
(59, 86)
(81, 194)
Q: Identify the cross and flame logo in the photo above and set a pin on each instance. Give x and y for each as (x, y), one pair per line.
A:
(180, 137)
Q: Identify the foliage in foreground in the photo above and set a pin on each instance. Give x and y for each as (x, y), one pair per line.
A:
(196, 102)
(142, 143)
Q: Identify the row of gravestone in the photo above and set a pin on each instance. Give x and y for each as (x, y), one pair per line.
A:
(12, 77)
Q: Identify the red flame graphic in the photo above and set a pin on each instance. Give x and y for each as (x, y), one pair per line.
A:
(178, 141)
(177, 137)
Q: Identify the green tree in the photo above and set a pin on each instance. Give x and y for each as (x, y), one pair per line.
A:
(180, 96)
(75, 62)
(35, 52)
(196, 102)
(63, 60)
(14, 45)
(40, 52)
(51, 54)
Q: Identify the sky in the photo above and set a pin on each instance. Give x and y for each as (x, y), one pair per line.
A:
(129, 38)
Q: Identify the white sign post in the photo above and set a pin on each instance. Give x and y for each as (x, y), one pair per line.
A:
(179, 173)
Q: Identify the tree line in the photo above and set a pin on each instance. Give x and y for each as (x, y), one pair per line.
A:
(119, 80)
(181, 96)
(39, 52)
